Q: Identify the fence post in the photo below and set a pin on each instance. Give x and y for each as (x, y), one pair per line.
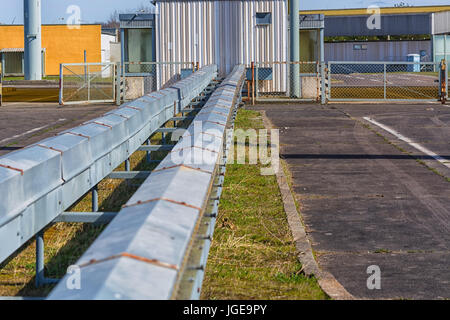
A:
(1, 87)
(61, 84)
(385, 80)
(253, 83)
(443, 81)
(329, 81)
(88, 83)
(118, 82)
(446, 79)
(323, 88)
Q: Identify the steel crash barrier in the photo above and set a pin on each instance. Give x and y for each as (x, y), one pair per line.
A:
(40, 182)
(157, 245)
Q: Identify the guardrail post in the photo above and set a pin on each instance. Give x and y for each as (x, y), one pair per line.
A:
(40, 258)
(95, 199)
(149, 154)
(127, 164)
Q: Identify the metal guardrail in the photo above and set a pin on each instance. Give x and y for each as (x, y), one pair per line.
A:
(157, 245)
(40, 182)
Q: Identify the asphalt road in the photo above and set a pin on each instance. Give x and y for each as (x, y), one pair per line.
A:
(22, 124)
(365, 201)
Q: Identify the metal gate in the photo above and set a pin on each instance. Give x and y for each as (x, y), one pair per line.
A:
(87, 83)
(386, 81)
(270, 81)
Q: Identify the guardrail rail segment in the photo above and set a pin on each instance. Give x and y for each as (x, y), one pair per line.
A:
(154, 248)
(40, 182)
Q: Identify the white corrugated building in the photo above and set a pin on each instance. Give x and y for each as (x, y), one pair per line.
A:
(222, 32)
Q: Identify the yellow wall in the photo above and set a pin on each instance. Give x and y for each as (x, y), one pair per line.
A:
(400, 10)
(63, 45)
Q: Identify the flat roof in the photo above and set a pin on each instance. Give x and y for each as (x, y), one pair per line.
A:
(384, 10)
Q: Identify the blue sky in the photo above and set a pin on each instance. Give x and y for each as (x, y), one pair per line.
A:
(99, 10)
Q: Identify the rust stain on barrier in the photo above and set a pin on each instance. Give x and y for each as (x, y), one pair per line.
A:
(134, 108)
(181, 166)
(215, 122)
(102, 124)
(119, 115)
(78, 134)
(12, 168)
(161, 199)
(50, 148)
(131, 256)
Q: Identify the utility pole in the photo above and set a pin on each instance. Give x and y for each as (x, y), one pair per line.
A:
(32, 40)
(294, 70)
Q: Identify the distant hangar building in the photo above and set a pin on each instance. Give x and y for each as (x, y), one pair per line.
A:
(60, 44)
(404, 30)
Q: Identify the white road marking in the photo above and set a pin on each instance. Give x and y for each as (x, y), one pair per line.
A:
(29, 131)
(428, 152)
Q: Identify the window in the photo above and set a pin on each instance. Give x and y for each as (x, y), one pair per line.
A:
(139, 46)
(360, 47)
(263, 18)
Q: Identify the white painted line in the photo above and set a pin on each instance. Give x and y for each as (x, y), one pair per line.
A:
(430, 153)
(29, 132)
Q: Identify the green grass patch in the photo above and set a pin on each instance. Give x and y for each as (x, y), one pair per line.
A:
(253, 255)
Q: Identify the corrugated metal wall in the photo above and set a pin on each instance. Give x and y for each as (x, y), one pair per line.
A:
(441, 22)
(390, 25)
(377, 51)
(221, 32)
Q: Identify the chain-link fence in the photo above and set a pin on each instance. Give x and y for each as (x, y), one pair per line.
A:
(141, 78)
(270, 81)
(87, 83)
(1, 85)
(395, 81)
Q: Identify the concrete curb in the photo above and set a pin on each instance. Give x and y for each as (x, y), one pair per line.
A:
(305, 255)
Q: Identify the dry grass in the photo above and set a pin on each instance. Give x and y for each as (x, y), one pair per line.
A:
(253, 255)
(66, 242)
